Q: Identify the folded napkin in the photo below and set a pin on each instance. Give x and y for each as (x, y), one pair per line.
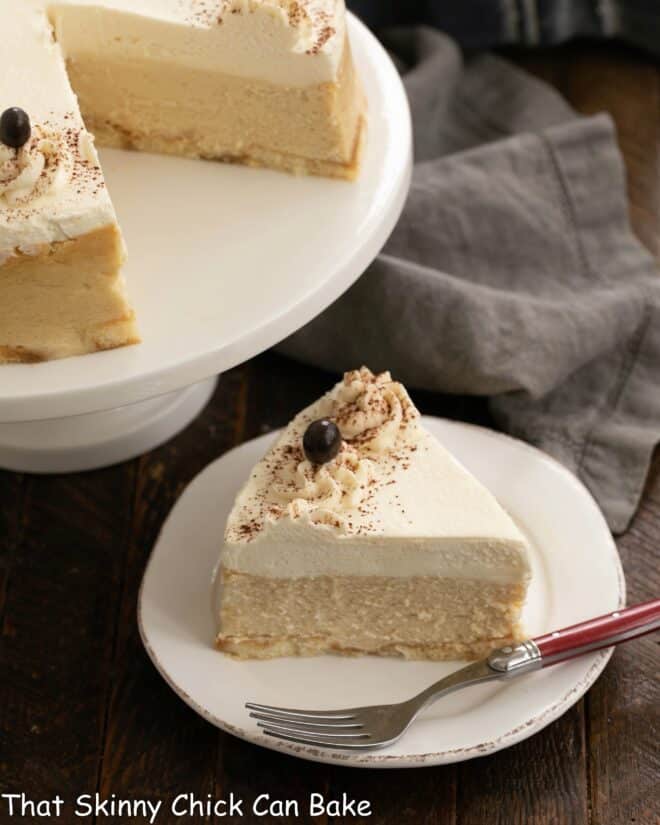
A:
(513, 273)
(484, 23)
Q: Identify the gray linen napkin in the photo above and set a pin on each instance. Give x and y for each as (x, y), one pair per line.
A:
(513, 273)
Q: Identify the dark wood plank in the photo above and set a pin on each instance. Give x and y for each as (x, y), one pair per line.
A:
(425, 796)
(58, 633)
(11, 505)
(540, 781)
(249, 772)
(624, 705)
(155, 747)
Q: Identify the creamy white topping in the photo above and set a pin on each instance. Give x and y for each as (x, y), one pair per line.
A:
(393, 503)
(380, 429)
(374, 412)
(322, 493)
(41, 168)
(51, 189)
(289, 42)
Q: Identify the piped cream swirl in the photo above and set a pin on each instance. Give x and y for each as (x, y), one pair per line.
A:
(39, 169)
(323, 493)
(381, 433)
(373, 412)
(375, 417)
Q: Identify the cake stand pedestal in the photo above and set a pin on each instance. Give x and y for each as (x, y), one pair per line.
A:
(94, 440)
(224, 262)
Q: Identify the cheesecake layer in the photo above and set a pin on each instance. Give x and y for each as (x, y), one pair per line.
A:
(64, 299)
(415, 617)
(156, 106)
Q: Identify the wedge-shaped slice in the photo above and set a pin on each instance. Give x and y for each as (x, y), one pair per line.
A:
(61, 292)
(390, 548)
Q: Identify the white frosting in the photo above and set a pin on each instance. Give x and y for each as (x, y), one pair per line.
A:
(40, 169)
(374, 412)
(288, 42)
(393, 503)
(52, 189)
(323, 494)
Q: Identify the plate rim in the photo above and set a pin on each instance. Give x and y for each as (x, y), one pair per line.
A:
(373, 759)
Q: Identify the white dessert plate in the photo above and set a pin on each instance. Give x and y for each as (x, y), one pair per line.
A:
(225, 261)
(576, 574)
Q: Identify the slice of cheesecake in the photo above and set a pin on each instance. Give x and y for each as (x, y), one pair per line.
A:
(359, 533)
(61, 251)
(260, 82)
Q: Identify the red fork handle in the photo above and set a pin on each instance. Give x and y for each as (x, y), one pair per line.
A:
(595, 634)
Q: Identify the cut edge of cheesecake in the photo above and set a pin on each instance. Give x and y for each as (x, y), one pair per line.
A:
(296, 105)
(95, 315)
(384, 595)
(392, 548)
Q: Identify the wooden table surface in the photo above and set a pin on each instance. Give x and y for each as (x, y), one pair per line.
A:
(82, 709)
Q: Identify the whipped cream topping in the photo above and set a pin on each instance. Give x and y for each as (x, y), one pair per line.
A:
(55, 167)
(373, 412)
(292, 42)
(313, 20)
(41, 168)
(323, 493)
(380, 429)
(52, 189)
(394, 502)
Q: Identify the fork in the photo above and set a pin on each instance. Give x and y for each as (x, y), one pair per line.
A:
(377, 726)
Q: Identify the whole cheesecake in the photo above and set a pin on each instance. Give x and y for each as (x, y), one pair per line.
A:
(258, 82)
(375, 540)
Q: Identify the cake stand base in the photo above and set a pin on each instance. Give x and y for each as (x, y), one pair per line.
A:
(89, 442)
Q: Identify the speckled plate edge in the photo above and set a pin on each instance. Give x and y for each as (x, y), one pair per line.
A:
(375, 759)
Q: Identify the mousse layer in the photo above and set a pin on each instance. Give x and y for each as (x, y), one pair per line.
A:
(426, 617)
(65, 299)
(153, 105)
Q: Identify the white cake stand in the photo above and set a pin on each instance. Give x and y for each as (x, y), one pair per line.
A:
(224, 262)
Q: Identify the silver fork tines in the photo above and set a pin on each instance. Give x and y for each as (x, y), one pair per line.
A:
(336, 743)
(304, 714)
(378, 725)
(305, 725)
(334, 730)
